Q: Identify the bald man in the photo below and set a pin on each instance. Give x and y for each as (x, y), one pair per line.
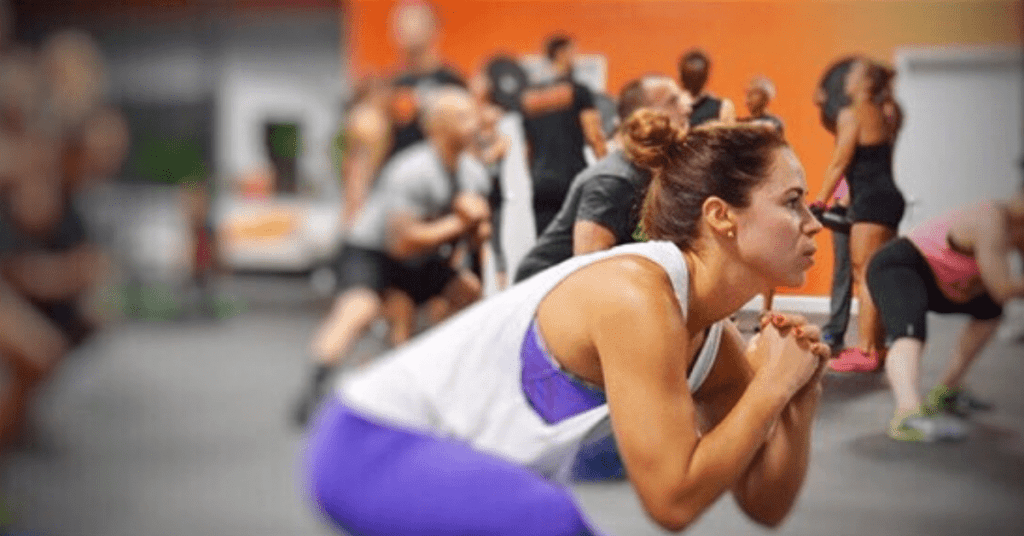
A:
(599, 211)
(429, 196)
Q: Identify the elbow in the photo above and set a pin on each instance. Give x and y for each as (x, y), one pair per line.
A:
(671, 510)
(767, 509)
(401, 248)
(770, 518)
(672, 519)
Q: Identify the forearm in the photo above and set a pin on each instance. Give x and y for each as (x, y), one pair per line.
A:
(769, 487)
(414, 238)
(833, 175)
(722, 456)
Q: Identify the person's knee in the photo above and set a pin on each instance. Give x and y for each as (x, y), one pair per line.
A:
(465, 289)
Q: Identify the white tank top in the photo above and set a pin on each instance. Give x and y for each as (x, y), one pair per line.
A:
(462, 379)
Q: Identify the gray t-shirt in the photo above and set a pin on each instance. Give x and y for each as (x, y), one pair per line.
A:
(415, 182)
(607, 193)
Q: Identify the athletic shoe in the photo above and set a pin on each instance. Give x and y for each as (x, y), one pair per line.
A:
(855, 360)
(955, 401)
(925, 427)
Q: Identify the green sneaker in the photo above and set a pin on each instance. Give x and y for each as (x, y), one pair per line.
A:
(955, 401)
(925, 427)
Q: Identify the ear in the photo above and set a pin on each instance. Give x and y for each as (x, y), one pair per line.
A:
(719, 216)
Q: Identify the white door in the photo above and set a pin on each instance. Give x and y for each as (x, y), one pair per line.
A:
(963, 134)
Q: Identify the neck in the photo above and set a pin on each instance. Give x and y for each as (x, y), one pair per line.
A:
(423, 60)
(718, 287)
(449, 153)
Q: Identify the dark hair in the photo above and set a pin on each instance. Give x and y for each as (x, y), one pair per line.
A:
(726, 161)
(632, 97)
(694, 68)
(833, 85)
(879, 78)
(555, 44)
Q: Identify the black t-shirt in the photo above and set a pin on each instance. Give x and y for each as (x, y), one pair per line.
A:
(556, 146)
(409, 90)
(607, 193)
(706, 108)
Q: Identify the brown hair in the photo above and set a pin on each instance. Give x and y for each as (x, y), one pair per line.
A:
(879, 79)
(726, 161)
(694, 68)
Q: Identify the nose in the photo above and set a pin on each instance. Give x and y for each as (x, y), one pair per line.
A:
(811, 224)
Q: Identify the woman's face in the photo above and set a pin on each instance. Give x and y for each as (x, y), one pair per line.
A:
(775, 234)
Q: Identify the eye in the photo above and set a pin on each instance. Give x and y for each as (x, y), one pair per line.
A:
(795, 202)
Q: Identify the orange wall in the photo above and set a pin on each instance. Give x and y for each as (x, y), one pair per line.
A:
(789, 41)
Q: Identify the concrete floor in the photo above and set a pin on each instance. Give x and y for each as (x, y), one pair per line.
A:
(180, 428)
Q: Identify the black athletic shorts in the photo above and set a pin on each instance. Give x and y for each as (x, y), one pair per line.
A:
(421, 280)
(903, 288)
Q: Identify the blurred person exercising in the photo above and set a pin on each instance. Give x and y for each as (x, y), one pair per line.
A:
(414, 28)
(601, 209)
(865, 136)
(427, 199)
(694, 70)
(957, 263)
(830, 97)
(469, 428)
(559, 118)
(47, 263)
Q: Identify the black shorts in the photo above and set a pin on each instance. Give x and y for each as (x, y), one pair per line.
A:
(904, 289)
(367, 268)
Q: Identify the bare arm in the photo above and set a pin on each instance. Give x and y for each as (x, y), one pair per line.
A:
(537, 101)
(846, 142)
(768, 489)
(727, 112)
(677, 472)
(589, 236)
(992, 250)
(593, 131)
(410, 235)
(368, 137)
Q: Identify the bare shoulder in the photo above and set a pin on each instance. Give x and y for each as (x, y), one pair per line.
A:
(625, 287)
(367, 122)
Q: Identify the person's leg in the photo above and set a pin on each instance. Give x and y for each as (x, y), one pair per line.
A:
(975, 336)
(834, 331)
(30, 347)
(375, 479)
(902, 286)
(865, 239)
(352, 314)
(949, 395)
(903, 371)
(462, 290)
(400, 312)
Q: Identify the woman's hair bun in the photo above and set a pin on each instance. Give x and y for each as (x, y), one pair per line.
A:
(651, 139)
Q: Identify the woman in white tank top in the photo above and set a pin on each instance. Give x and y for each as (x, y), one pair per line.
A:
(469, 428)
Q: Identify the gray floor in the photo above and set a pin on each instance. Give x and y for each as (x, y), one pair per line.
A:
(180, 428)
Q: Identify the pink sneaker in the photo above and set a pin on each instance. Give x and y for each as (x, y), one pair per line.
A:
(854, 360)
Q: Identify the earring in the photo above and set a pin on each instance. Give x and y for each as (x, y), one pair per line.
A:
(730, 234)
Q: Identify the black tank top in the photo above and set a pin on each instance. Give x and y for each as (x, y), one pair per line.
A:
(706, 108)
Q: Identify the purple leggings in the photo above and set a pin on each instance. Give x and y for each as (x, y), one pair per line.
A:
(373, 479)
